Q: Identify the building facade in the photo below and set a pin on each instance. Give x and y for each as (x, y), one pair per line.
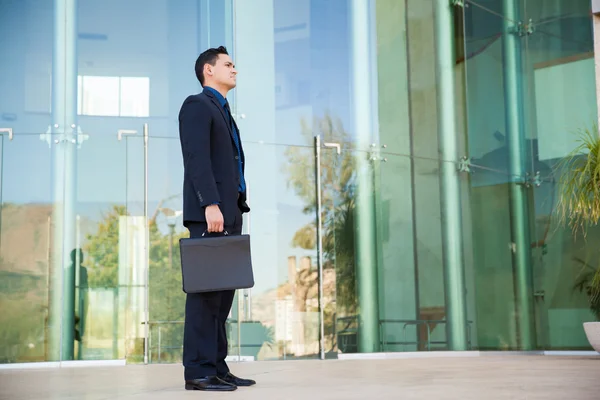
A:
(401, 174)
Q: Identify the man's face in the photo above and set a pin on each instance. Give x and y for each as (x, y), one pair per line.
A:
(223, 73)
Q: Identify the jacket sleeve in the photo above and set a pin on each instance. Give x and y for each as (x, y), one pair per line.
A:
(194, 129)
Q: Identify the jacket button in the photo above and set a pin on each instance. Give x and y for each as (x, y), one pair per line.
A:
(237, 157)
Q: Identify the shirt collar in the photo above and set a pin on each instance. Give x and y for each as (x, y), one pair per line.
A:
(218, 95)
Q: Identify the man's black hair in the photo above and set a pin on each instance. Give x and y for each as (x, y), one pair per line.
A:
(210, 56)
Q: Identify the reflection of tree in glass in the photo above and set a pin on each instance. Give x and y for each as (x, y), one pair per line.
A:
(166, 297)
(167, 300)
(102, 250)
(337, 192)
(22, 320)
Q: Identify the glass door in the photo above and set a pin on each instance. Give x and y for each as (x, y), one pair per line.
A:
(279, 316)
(165, 210)
(109, 251)
(349, 252)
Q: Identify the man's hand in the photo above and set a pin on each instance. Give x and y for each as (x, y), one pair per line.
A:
(214, 218)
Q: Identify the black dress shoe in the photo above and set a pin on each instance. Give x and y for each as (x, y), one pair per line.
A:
(209, 383)
(234, 380)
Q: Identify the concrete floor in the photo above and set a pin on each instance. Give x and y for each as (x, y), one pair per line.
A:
(481, 378)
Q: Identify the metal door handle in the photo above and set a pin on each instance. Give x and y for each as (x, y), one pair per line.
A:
(9, 131)
(123, 132)
(337, 146)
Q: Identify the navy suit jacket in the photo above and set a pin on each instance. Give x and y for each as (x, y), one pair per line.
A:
(210, 160)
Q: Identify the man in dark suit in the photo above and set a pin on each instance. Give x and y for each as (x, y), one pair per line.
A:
(214, 198)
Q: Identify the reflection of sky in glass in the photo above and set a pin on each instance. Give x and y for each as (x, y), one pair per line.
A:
(100, 96)
(113, 96)
(134, 97)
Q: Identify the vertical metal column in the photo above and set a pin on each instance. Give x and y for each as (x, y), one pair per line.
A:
(452, 246)
(64, 135)
(69, 224)
(513, 100)
(365, 233)
(317, 147)
(146, 252)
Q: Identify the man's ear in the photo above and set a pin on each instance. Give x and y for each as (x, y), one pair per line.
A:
(208, 69)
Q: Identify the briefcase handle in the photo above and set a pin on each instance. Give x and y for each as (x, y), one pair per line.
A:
(225, 233)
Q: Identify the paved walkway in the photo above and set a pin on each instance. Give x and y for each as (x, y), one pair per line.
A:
(481, 378)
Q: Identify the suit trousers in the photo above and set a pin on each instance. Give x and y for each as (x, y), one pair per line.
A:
(205, 336)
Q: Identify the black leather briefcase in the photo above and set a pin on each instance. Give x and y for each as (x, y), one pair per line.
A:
(213, 263)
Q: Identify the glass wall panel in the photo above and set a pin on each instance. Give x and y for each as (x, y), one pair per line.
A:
(430, 303)
(31, 258)
(561, 102)
(397, 261)
(499, 146)
(530, 85)
(26, 251)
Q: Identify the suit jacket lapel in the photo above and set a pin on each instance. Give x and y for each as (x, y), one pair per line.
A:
(239, 138)
(221, 110)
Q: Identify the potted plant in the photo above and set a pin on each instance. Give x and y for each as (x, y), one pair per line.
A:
(589, 283)
(579, 207)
